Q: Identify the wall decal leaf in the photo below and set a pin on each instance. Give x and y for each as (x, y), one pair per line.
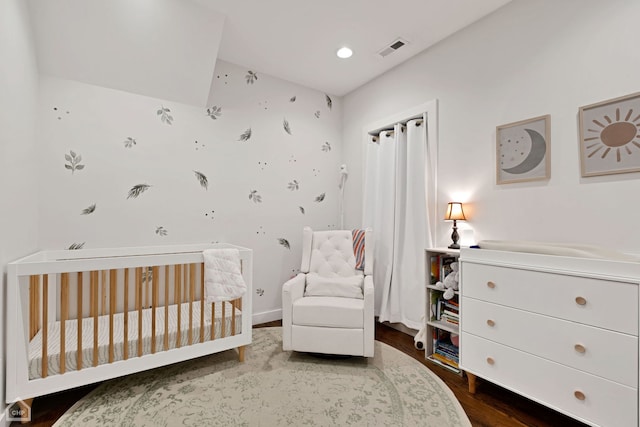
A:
(286, 126)
(329, 102)
(317, 114)
(74, 161)
(260, 292)
(320, 198)
(129, 142)
(255, 196)
(251, 77)
(76, 246)
(326, 147)
(292, 99)
(165, 117)
(204, 182)
(91, 209)
(284, 242)
(301, 209)
(161, 231)
(214, 112)
(293, 185)
(137, 190)
(246, 135)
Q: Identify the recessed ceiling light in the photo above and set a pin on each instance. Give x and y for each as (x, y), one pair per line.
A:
(344, 52)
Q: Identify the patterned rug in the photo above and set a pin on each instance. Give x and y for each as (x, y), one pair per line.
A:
(274, 388)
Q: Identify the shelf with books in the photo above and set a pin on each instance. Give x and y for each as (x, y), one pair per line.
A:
(441, 315)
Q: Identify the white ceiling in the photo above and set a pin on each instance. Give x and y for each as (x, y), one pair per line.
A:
(296, 40)
(168, 48)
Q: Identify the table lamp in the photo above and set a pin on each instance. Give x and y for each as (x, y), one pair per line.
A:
(454, 213)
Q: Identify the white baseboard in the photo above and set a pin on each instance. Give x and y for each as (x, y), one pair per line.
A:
(267, 316)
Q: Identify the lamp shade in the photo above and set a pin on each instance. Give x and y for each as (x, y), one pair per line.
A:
(454, 211)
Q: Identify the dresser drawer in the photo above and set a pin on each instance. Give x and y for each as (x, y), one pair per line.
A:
(605, 403)
(601, 352)
(602, 303)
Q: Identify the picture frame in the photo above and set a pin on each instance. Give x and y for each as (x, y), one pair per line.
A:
(523, 150)
(610, 136)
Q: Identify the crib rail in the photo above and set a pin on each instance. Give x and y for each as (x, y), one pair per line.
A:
(117, 310)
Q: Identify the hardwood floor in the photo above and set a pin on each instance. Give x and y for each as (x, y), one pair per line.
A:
(491, 406)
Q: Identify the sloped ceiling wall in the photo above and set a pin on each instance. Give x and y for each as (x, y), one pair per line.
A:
(166, 49)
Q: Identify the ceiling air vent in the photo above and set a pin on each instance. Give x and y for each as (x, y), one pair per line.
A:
(393, 46)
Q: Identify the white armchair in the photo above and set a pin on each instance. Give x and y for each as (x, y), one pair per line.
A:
(328, 307)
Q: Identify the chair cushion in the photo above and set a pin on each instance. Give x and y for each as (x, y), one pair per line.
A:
(332, 254)
(333, 312)
(346, 287)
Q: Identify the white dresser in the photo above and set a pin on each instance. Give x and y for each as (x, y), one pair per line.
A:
(562, 331)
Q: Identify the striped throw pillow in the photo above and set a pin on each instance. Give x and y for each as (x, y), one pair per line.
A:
(358, 248)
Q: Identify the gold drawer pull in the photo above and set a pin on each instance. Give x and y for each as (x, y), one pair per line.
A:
(580, 348)
(491, 323)
(491, 284)
(490, 360)
(581, 301)
(579, 395)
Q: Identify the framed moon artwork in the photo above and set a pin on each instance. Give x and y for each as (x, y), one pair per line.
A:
(522, 150)
(610, 136)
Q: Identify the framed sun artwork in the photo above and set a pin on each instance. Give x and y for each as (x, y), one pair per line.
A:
(523, 151)
(610, 136)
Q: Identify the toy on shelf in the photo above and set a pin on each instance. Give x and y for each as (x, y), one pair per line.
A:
(450, 283)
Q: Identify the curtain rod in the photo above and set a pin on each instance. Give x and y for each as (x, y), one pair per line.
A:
(390, 132)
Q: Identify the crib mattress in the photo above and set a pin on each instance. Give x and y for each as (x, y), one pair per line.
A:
(71, 335)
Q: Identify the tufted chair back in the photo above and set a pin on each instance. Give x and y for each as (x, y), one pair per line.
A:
(330, 253)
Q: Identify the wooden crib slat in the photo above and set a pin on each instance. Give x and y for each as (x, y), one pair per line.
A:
(192, 289)
(223, 323)
(104, 291)
(94, 313)
(125, 341)
(79, 317)
(154, 305)
(64, 314)
(34, 282)
(139, 307)
(113, 283)
(178, 300)
(213, 321)
(45, 320)
(233, 317)
(202, 302)
(186, 280)
(166, 307)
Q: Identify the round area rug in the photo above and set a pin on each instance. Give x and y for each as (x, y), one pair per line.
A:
(275, 388)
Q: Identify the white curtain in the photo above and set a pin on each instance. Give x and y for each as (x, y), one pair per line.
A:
(399, 193)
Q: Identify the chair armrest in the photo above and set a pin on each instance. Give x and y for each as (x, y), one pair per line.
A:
(292, 290)
(369, 319)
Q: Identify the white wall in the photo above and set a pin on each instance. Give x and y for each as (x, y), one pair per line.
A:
(525, 60)
(18, 169)
(95, 122)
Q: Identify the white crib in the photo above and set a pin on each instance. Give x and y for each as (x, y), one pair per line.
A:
(79, 317)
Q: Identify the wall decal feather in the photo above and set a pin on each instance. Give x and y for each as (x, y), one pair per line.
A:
(301, 209)
(320, 198)
(260, 292)
(292, 99)
(129, 142)
(255, 196)
(326, 147)
(76, 246)
(251, 77)
(161, 231)
(202, 179)
(245, 135)
(91, 209)
(329, 102)
(293, 185)
(317, 114)
(165, 117)
(284, 242)
(74, 161)
(214, 112)
(137, 190)
(285, 125)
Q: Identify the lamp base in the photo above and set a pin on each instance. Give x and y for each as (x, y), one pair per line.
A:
(454, 237)
(454, 246)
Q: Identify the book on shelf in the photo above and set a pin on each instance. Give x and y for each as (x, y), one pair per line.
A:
(445, 265)
(445, 360)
